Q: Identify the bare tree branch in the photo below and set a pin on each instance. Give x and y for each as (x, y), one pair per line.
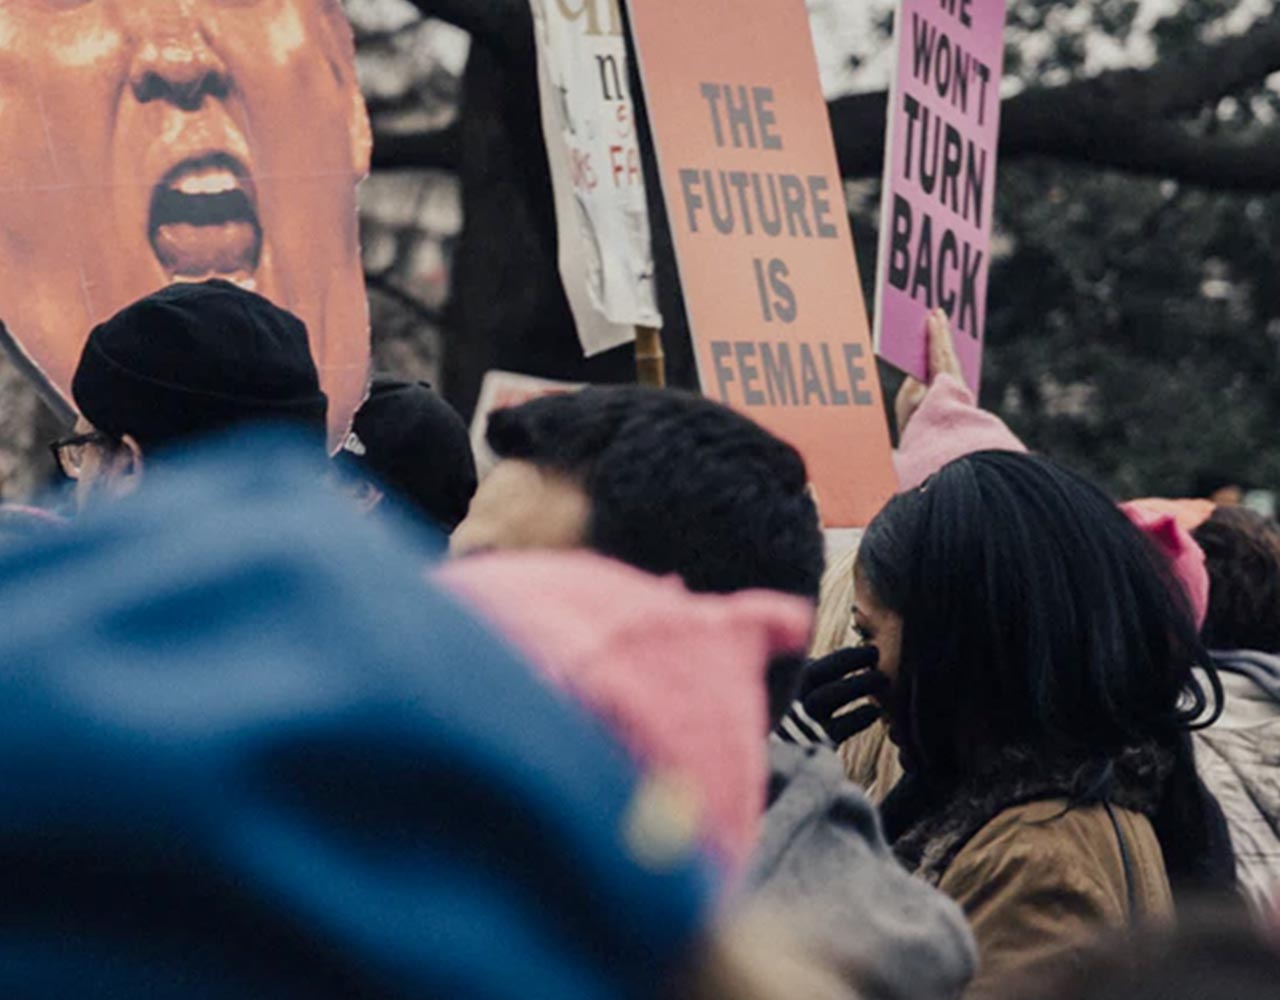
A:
(381, 283)
(1068, 126)
(1123, 119)
(1197, 77)
(391, 104)
(438, 149)
(367, 38)
(500, 23)
(1160, 148)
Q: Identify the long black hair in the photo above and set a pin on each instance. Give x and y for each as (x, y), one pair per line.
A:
(1036, 616)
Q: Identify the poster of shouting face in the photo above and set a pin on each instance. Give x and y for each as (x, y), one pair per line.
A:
(145, 142)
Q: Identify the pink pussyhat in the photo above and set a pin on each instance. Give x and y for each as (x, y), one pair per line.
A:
(1166, 522)
(679, 677)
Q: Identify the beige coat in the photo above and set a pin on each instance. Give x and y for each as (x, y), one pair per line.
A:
(1037, 884)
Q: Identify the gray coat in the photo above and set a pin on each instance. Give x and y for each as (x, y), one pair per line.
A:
(1239, 760)
(823, 862)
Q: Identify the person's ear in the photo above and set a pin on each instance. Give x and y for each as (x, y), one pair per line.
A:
(125, 470)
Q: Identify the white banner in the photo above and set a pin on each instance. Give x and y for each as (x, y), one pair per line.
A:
(606, 258)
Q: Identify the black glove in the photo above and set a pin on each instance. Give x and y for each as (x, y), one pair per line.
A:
(828, 685)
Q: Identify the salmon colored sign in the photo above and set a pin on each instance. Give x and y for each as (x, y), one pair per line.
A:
(762, 238)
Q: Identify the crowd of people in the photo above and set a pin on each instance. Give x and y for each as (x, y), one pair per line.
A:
(613, 721)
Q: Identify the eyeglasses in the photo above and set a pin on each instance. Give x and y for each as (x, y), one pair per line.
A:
(69, 452)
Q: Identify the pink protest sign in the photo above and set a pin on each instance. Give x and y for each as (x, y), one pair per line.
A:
(940, 179)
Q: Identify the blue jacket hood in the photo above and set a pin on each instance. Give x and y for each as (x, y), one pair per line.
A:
(247, 751)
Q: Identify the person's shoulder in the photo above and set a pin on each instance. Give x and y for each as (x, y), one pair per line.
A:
(1251, 692)
(1036, 887)
(1052, 827)
(1040, 847)
(823, 864)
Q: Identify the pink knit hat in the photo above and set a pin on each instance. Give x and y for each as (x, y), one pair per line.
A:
(1164, 523)
(679, 677)
(948, 425)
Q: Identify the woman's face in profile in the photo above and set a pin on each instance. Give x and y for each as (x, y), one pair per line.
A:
(876, 625)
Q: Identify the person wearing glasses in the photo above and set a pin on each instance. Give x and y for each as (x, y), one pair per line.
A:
(184, 363)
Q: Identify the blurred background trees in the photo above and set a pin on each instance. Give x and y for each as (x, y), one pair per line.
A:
(1134, 325)
(1135, 319)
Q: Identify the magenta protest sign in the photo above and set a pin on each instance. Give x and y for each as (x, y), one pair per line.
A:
(939, 179)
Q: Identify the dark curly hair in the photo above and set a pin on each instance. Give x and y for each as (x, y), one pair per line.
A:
(677, 484)
(1242, 554)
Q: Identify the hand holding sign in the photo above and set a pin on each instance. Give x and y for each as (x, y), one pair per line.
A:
(943, 360)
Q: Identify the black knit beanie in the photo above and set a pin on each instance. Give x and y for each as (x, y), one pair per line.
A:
(193, 359)
(409, 439)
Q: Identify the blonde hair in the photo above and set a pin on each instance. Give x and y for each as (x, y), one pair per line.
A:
(870, 759)
(835, 606)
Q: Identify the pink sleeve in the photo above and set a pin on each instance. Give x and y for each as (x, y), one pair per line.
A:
(947, 426)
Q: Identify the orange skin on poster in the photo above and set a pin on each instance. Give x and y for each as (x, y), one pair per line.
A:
(144, 142)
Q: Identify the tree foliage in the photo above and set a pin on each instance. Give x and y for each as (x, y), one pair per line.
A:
(1135, 321)
(1134, 326)
(1135, 314)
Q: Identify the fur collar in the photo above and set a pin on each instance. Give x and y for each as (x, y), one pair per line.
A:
(1132, 780)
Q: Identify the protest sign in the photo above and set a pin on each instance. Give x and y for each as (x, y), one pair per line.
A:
(500, 390)
(762, 238)
(217, 141)
(605, 256)
(939, 179)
